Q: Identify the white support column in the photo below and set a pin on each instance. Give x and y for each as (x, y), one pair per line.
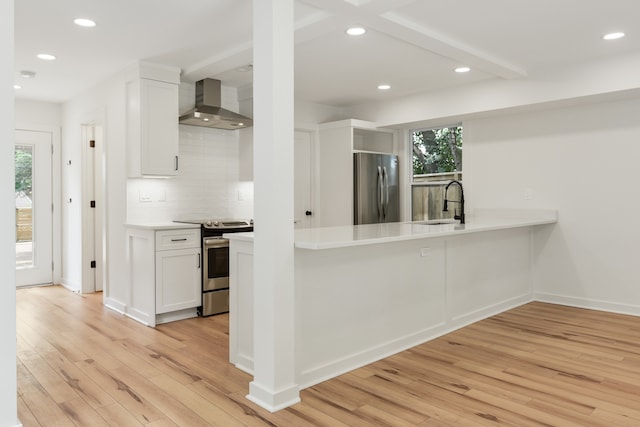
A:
(274, 385)
(8, 395)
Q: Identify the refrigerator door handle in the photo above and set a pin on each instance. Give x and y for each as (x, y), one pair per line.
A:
(385, 184)
(380, 193)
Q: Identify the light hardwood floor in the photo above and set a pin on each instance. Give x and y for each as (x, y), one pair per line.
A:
(539, 364)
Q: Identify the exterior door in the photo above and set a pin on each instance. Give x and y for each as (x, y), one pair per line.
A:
(303, 170)
(34, 229)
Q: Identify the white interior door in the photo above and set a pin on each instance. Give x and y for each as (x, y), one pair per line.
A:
(303, 170)
(98, 196)
(34, 216)
(89, 221)
(92, 231)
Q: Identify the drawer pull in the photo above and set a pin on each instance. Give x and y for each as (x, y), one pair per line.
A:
(179, 240)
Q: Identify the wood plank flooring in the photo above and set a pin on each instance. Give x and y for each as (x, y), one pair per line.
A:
(537, 365)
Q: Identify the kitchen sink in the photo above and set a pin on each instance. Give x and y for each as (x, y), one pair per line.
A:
(436, 222)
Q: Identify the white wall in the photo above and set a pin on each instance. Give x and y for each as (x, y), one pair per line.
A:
(38, 113)
(582, 161)
(312, 113)
(613, 77)
(8, 395)
(102, 105)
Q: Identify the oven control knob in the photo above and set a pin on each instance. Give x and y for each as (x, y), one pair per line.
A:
(216, 223)
(208, 223)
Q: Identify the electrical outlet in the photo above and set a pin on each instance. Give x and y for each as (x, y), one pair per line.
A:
(425, 251)
(143, 196)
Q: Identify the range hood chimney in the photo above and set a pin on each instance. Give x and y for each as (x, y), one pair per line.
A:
(209, 112)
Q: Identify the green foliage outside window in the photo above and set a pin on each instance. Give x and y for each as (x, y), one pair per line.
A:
(437, 150)
(24, 164)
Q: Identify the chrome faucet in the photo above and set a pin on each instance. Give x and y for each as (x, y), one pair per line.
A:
(461, 201)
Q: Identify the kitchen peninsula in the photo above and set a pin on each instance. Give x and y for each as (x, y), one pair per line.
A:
(368, 291)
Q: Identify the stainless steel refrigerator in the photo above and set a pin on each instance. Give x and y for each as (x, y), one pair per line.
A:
(375, 185)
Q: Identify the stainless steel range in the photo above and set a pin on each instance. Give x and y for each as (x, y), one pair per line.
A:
(215, 261)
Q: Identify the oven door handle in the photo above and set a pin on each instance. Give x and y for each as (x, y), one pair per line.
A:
(215, 242)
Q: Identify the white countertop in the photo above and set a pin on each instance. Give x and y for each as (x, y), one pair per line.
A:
(358, 235)
(163, 226)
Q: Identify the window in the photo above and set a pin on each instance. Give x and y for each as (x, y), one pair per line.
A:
(437, 159)
(24, 213)
(437, 151)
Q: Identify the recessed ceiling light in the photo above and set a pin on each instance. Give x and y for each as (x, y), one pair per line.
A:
(17, 87)
(356, 31)
(462, 70)
(84, 22)
(613, 36)
(28, 74)
(46, 56)
(384, 87)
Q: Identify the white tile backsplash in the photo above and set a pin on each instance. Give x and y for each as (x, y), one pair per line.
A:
(207, 185)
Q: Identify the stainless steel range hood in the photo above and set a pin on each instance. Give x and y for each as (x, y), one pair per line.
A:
(209, 112)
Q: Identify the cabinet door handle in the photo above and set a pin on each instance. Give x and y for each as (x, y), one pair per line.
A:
(179, 240)
(198, 260)
(176, 162)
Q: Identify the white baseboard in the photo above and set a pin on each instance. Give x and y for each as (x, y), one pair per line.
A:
(70, 285)
(115, 305)
(460, 321)
(588, 303)
(244, 363)
(271, 400)
(176, 315)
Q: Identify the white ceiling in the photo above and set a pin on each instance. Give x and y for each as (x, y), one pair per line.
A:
(413, 45)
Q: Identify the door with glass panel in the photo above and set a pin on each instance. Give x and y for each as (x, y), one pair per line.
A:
(34, 262)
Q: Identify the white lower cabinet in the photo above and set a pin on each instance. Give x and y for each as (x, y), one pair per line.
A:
(164, 274)
(177, 279)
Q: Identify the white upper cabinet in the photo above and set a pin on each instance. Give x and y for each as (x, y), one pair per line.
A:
(152, 121)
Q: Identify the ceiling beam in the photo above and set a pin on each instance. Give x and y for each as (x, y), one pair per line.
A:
(230, 59)
(311, 27)
(409, 31)
(381, 15)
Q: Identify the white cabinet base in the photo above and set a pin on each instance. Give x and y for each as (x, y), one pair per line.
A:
(164, 275)
(187, 313)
